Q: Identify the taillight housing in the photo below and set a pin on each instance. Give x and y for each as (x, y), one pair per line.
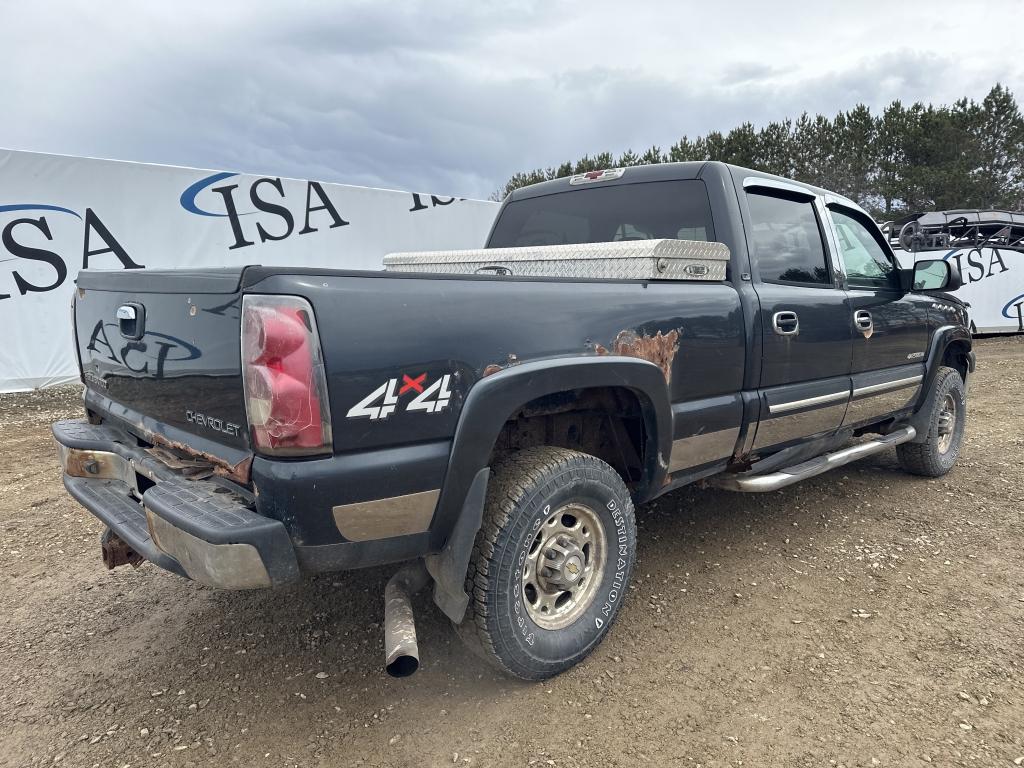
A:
(283, 376)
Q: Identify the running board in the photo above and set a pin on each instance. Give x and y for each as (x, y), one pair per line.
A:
(763, 483)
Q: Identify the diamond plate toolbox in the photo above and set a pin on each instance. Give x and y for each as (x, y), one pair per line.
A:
(626, 260)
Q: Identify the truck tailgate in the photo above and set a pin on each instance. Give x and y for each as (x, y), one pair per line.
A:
(164, 346)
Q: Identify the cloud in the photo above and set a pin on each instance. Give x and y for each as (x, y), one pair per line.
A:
(455, 97)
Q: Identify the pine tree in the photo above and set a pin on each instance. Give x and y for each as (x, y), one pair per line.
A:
(966, 155)
(710, 147)
(628, 158)
(652, 156)
(891, 154)
(740, 146)
(855, 154)
(774, 148)
(1001, 135)
(814, 150)
(682, 151)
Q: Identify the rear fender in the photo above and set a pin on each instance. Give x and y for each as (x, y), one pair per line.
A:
(494, 399)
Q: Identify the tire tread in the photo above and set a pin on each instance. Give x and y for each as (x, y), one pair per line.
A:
(515, 481)
(923, 458)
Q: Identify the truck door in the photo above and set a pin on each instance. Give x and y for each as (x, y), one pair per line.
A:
(890, 328)
(804, 315)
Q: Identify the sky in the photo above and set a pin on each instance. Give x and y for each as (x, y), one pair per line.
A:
(454, 97)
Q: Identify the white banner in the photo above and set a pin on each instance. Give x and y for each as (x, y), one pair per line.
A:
(62, 214)
(993, 285)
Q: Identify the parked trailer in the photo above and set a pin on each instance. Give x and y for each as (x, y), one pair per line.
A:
(987, 246)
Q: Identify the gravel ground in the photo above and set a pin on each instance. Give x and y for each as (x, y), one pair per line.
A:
(862, 618)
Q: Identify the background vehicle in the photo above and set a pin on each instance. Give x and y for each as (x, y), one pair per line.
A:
(497, 429)
(988, 248)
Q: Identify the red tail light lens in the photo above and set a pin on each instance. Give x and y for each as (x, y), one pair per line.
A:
(283, 374)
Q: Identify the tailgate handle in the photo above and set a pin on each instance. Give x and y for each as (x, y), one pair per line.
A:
(131, 320)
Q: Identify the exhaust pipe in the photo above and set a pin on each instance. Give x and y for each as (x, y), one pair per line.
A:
(403, 654)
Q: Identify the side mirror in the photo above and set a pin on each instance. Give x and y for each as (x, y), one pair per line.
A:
(935, 275)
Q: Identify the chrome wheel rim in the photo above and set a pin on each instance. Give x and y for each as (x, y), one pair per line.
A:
(564, 566)
(946, 427)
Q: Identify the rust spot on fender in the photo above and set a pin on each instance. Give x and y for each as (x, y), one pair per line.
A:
(493, 368)
(659, 349)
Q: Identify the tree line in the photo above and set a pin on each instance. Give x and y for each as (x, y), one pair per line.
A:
(906, 159)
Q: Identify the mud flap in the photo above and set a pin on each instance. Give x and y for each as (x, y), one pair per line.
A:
(448, 568)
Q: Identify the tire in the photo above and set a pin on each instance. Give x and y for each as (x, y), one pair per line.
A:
(532, 621)
(936, 454)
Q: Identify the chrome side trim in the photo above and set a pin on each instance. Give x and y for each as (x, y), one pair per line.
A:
(384, 518)
(793, 405)
(880, 400)
(773, 430)
(700, 449)
(887, 386)
(814, 467)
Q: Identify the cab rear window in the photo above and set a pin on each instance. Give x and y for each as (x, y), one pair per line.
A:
(643, 211)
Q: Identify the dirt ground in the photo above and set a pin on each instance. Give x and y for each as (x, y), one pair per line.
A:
(863, 618)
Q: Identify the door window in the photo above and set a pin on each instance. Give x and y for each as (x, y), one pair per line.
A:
(786, 240)
(867, 263)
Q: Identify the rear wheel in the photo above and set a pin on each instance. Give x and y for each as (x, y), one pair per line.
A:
(551, 563)
(936, 454)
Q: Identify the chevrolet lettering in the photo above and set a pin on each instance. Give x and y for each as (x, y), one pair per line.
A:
(218, 425)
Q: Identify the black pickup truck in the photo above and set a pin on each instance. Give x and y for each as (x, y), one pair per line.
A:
(493, 425)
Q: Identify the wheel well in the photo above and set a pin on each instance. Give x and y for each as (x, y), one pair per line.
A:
(955, 356)
(606, 422)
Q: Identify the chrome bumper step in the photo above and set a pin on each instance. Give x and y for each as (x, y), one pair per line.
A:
(206, 531)
(748, 483)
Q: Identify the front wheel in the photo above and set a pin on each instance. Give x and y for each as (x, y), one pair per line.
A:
(936, 454)
(552, 561)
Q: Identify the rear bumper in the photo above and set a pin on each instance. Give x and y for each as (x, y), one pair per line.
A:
(198, 529)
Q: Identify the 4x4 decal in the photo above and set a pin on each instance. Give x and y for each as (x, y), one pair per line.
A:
(384, 400)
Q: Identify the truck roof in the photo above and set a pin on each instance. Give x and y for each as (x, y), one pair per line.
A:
(700, 169)
(633, 174)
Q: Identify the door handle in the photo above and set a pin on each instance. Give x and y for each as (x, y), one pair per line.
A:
(862, 319)
(786, 323)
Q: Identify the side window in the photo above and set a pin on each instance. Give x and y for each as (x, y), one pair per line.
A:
(787, 240)
(867, 263)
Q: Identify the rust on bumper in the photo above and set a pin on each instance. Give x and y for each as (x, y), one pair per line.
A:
(238, 472)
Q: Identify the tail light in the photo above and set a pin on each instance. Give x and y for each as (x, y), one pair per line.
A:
(283, 375)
